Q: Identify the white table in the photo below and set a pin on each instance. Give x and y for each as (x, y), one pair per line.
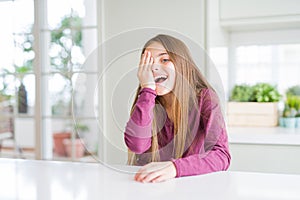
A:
(42, 180)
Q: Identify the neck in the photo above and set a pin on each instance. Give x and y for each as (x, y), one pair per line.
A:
(166, 102)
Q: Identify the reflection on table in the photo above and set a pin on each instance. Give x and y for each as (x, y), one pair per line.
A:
(30, 179)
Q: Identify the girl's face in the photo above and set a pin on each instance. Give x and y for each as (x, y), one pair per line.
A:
(163, 69)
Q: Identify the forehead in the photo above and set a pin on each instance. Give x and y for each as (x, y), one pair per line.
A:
(156, 48)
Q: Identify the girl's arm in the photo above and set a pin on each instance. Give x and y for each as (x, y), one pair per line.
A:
(212, 154)
(138, 129)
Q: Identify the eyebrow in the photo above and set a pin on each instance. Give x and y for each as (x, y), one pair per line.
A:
(161, 54)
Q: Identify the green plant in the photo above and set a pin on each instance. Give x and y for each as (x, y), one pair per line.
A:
(4, 91)
(64, 41)
(24, 45)
(292, 106)
(81, 129)
(241, 93)
(265, 92)
(294, 90)
(289, 112)
(260, 92)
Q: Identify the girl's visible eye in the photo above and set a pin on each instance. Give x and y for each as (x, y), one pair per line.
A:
(165, 60)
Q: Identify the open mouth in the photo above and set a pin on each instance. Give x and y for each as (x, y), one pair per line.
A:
(160, 79)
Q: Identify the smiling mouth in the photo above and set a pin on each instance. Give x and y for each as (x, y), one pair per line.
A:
(160, 79)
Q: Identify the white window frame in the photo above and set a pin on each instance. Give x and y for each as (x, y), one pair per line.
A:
(43, 140)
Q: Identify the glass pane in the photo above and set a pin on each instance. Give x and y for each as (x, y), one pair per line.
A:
(272, 63)
(58, 9)
(23, 15)
(24, 143)
(254, 64)
(289, 66)
(26, 95)
(84, 101)
(57, 96)
(25, 139)
(87, 131)
(65, 48)
(23, 52)
(68, 94)
(7, 44)
(7, 88)
(85, 135)
(61, 129)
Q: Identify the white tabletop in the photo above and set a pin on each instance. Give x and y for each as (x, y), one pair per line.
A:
(28, 179)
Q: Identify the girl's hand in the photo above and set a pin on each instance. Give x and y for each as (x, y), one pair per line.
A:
(145, 74)
(156, 172)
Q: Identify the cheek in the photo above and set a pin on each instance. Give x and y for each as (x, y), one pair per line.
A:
(171, 71)
(170, 66)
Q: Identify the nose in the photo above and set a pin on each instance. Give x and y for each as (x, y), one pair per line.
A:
(155, 67)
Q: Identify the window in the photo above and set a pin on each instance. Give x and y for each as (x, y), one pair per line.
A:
(67, 36)
(261, 56)
(17, 78)
(277, 64)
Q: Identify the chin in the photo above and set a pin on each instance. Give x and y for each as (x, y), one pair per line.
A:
(161, 91)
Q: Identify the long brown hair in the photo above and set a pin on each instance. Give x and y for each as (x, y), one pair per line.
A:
(188, 83)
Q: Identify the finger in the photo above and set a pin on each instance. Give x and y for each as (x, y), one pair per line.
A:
(140, 176)
(147, 60)
(142, 61)
(159, 179)
(149, 66)
(143, 57)
(140, 173)
(151, 176)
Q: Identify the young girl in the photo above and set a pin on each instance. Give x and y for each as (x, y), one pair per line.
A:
(176, 126)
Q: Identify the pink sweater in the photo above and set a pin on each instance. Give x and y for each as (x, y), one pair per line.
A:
(207, 150)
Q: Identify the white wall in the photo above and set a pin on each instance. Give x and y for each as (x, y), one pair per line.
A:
(126, 27)
(216, 35)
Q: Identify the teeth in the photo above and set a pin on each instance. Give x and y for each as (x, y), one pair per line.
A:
(160, 78)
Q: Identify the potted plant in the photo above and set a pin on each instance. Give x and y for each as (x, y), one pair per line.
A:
(298, 113)
(294, 90)
(291, 113)
(79, 147)
(241, 93)
(255, 105)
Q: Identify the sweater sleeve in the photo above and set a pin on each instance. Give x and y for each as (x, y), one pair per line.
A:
(214, 154)
(138, 129)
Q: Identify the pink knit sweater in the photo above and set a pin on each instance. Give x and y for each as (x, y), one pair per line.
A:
(206, 147)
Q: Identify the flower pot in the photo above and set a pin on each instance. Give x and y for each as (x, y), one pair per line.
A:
(252, 114)
(58, 139)
(281, 121)
(79, 148)
(297, 122)
(289, 122)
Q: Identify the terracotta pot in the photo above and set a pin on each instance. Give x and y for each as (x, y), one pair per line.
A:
(79, 148)
(58, 139)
